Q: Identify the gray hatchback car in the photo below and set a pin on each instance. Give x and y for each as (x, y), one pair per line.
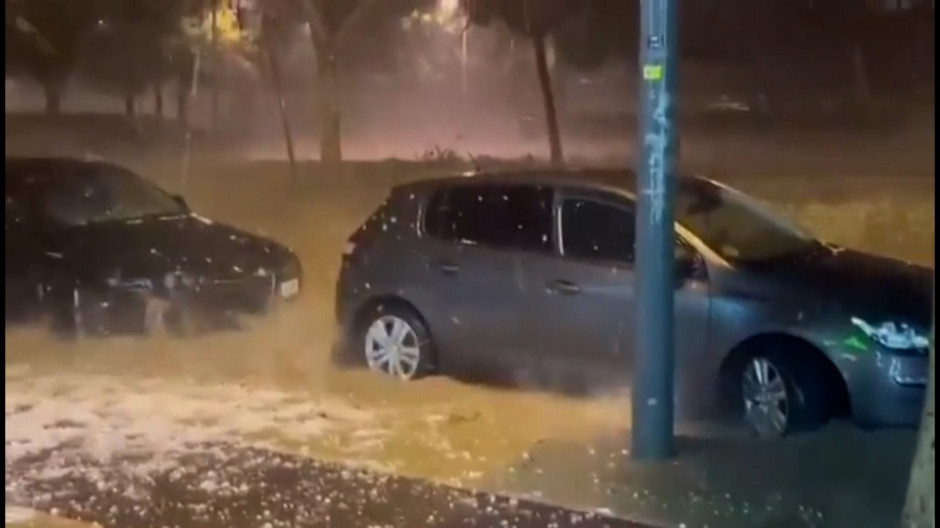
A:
(529, 276)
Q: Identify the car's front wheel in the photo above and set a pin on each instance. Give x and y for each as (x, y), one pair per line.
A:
(781, 394)
(395, 341)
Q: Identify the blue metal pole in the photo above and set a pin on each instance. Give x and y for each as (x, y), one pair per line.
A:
(653, 399)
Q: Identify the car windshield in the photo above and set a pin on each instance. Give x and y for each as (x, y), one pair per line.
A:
(106, 193)
(736, 226)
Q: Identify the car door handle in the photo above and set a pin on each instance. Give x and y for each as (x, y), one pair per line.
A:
(563, 287)
(447, 267)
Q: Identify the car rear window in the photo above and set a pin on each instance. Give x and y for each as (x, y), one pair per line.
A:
(515, 216)
(380, 221)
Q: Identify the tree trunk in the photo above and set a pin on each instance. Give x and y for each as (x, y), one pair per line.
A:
(326, 43)
(545, 83)
(54, 90)
(158, 100)
(187, 82)
(216, 67)
(331, 150)
(557, 74)
(182, 106)
(920, 508)
(130, 105)
(281, 107)
(130, 110)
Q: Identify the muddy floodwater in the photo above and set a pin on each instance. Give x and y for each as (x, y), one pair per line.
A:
(273, 386)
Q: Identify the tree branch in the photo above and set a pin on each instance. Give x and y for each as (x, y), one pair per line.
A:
(22, 25)
(352, 20)
(318, 31)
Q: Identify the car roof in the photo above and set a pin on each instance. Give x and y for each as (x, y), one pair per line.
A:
(604, 180)
(21, 170)
(52, 162)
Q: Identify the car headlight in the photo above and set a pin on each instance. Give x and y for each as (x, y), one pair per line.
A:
(896, 336)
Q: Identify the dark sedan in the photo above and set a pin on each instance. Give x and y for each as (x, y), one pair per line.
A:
(531, 273)
(101, 250)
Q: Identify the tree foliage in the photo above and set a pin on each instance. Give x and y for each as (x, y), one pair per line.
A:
(122, 45)
(133, 44)
(332, 24)
(534, 19)
(602, 30)
(44, 38)
(721, 28)
(783, 39)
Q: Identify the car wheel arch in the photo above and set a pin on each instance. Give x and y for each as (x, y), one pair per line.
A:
(373, 303)
(734, 361)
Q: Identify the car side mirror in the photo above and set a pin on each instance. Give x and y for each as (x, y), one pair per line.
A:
(685, 264)
(181, 201)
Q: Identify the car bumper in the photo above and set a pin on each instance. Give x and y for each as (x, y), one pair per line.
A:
(252, 294)
(343, 349)
(245, 296)
(348, 299)
(889, 389)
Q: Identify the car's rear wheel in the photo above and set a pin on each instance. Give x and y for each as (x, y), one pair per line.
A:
(396, 342)
(781, 394)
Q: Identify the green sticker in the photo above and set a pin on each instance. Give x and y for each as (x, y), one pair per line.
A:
(652, 72)
(856, 343)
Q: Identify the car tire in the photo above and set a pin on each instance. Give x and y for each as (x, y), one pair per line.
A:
(409, 354)
(775, 384)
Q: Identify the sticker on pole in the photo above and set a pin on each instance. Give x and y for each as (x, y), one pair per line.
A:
(652, 72)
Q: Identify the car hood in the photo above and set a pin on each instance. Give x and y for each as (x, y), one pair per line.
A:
(189, 244)
(868, 286)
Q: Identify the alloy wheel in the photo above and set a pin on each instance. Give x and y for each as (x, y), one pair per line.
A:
(392, 347)
(766, 404)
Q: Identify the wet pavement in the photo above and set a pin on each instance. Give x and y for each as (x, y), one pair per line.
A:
(226, 487)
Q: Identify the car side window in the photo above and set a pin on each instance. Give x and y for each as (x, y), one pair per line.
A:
(73, 201)
(511, 216)
(593, 230)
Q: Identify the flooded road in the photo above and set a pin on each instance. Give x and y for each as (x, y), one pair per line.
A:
(119, 418)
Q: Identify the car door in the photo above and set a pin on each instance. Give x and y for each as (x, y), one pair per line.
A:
(476, 237)
(581, 303)
(586, 310)
(40, 245)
